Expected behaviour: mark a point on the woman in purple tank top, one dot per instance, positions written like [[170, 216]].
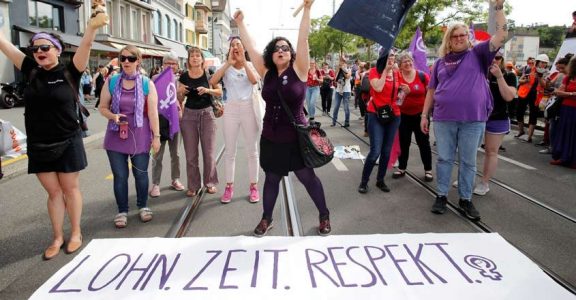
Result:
[[284, 74]]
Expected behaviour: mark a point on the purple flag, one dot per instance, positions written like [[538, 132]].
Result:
[[167, 106], [378, 20], [418, 50]]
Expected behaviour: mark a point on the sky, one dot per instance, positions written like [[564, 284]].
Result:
[[269, 18]]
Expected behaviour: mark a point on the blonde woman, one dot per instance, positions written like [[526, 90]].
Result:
[[198, 125]]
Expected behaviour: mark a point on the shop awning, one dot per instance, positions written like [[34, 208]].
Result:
[[178, 48], [69, 39]]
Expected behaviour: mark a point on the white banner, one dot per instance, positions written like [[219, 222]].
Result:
[[12, 140], [402, 266]]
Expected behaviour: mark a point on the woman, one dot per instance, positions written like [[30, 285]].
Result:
[[98, 81], [198, 125], [503, 90], [564, 141], [343, 91], [130, 103], [410, 110], [326, 88], [285, 76], [462, 103], [384, 89], [312, 89], [239, 77], [86, 81], [50, 117], [532, 83]]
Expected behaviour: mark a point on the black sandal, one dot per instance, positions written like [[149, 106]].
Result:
[[428, 177], [398, 174]]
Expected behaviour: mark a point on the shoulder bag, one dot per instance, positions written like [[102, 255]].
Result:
[[315, 147], [385, 114]]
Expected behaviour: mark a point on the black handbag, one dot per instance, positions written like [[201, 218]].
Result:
[[385, 114], [552, 110], [315, 147], [48, 152]]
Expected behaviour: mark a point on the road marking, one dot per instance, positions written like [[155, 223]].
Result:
[[13, 160], [514, 162], [339, 165]]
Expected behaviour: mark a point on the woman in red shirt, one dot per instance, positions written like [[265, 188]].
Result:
[[312, 89], [384, 89], [411, 109], [564, 142]]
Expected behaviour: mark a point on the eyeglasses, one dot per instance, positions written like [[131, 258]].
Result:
[[459, 36], [43, 48], [131, 59], [284, 48]]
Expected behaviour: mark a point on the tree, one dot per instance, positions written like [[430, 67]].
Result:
[[324, 39]]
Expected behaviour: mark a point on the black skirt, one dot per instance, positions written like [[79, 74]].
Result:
[[280, 158], [73, 160]]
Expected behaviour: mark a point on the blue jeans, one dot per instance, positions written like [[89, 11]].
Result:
[[312, 93], [119, 166], [466, 137], [381, 140], [337, 100]]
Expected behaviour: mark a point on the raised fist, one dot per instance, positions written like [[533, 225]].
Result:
[[99, 18]]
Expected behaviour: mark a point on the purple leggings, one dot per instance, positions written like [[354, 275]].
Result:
[[310, 181]]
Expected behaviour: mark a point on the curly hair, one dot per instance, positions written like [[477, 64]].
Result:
[[269, 50]]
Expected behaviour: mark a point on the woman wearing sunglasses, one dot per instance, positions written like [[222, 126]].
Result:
[[51, 120], [285, 76], [240, 77], [129, 101], [462, 103], [198, 125]]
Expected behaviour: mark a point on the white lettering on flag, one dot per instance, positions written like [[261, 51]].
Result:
[[170, 96], [400, 266]]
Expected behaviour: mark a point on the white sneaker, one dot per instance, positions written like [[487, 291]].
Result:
[[455, 184], [481, 189]]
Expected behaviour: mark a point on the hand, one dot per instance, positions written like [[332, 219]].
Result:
[[238, 16], [183, 89], [202, 90], [117, 118], [99, 18], [308, 3], [495, 70], [231, 59], [155, 145], [424, 125], [218, 109], [497, 2], [405, 88], [240, 58]]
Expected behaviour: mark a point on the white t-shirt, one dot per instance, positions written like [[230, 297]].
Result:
[[344, 85], [238, 87]]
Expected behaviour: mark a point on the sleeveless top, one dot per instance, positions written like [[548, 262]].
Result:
[[277, 127]]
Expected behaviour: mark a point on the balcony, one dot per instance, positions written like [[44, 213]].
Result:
[[201, 26], [202, 6], [75, 2]]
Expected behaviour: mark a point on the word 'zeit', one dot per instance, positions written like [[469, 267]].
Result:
[[326, 267]]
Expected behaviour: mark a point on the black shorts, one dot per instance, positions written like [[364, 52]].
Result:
[[87, 89], [73, 160], [280, 158]]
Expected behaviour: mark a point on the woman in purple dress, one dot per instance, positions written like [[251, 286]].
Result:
[[129, 101], [284, 74]]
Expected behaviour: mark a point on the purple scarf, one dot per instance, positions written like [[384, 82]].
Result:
[[139, 99]]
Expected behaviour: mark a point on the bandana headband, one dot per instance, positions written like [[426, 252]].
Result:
[[46, 36]]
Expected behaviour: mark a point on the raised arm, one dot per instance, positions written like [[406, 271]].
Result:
[[14, 54], [302, 62], [82, 55], [499, 37], [255, 55]]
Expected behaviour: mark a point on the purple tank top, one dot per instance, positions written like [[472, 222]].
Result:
[[139, 138], [277, 127]]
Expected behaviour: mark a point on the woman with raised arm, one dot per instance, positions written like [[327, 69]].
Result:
[[462, 102], [51, 119], [285, 75]]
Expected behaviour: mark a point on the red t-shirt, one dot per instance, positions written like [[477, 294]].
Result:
[[414, 101], [388, 94], [570, 88], [311, 82]]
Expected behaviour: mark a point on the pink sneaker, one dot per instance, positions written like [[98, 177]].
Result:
[[177, 185], [155, 191], [254, 196], [228, 192]]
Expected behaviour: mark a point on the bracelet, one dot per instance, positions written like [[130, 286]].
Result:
[[424, 116], [157, 135]]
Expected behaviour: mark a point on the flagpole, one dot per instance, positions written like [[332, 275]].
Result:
[[491, 18]]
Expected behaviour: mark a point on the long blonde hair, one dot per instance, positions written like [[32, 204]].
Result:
[[445, 47]]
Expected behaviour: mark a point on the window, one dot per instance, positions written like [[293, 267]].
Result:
[[145, 28], [134, 33], [166, 26], [157, 24], [45, 15], [124, 21], [180, 32], [174, 29]]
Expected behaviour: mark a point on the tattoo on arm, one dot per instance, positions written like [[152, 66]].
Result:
[[501, 27], [493, 47], [498, 7]]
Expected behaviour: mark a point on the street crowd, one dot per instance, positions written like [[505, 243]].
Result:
[[470, 96]]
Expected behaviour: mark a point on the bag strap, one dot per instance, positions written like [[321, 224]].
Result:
[[422, 77], [286, 108], [76, 91], [393, 90]]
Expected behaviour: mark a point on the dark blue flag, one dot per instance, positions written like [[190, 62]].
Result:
[[377, 20]]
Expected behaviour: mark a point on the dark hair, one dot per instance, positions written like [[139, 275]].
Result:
[[572, 69], [565, 60], [231, 39], [574, 13], [54, 35], [269, 50]]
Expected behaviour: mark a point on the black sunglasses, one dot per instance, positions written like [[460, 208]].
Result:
[[131, 59], [284, 48], [43, 48]]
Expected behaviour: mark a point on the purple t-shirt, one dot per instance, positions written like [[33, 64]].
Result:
[[461, 88], [277, 127], [139, 138]]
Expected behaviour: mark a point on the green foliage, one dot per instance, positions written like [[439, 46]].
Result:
[[551, 37], [324, 39]]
